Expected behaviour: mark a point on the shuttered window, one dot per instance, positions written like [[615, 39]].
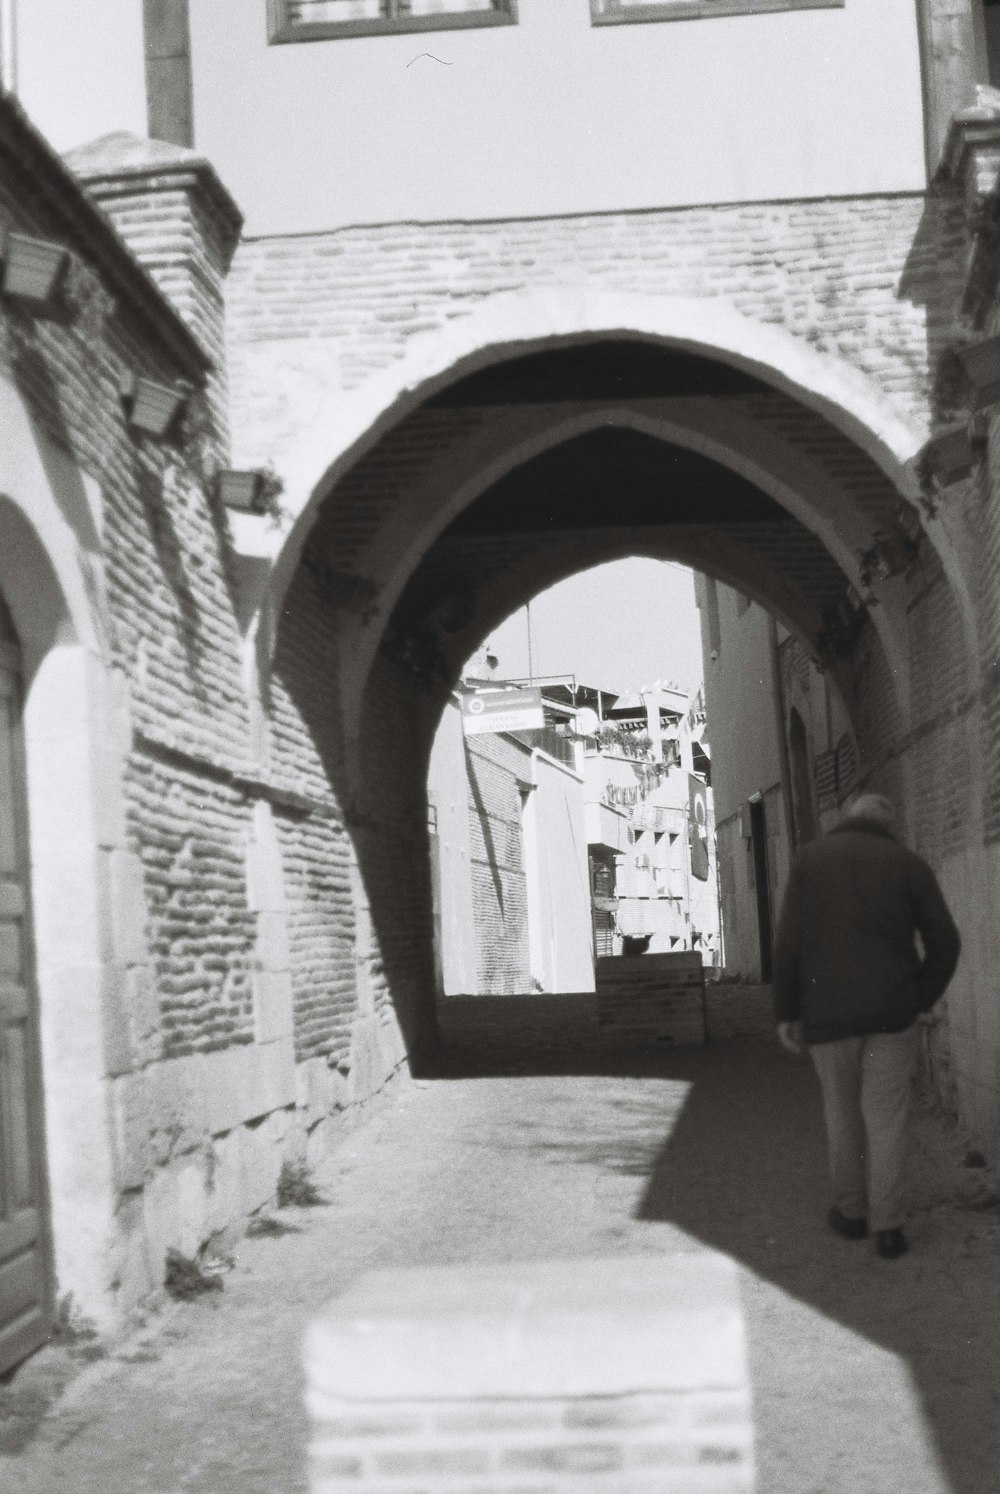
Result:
[[318, 20], [611, 12]]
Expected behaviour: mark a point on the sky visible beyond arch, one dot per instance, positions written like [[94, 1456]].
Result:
[[620, 626]]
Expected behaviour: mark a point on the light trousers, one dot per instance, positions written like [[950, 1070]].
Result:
[[867, 1084]]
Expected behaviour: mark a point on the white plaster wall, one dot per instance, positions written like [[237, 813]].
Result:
[[448, 788], [553, 115], [745, 749], [563, 877]]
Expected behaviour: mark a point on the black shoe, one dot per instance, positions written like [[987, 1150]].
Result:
[[890, 1243], [851, 1229]]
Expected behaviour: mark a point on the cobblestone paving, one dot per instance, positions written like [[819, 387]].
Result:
[[868, 1377]]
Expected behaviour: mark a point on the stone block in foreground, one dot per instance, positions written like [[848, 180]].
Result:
[[607, 1376]]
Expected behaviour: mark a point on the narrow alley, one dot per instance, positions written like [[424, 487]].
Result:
[[866, 1375]]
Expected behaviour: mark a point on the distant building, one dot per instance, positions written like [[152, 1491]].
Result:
[[650, 826], [592, 834], [509, 861], [784, 760]]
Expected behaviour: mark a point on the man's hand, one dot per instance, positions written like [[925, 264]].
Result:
[[790, 1036]]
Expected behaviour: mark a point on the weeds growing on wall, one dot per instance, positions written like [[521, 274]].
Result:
[[268, 1225], [296, 1188], [186, 1279], [73, 1330]]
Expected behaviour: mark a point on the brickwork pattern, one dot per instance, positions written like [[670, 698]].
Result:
[[305, 741], [181, 225], [305, 746], [180, 243], [393, 846], [940, 744], [160, 573], [348, 523], [177, 640], [865, 280], [682, 1443], [657, 996], [320, 919], [984, 524], [381, 820], [190, 835]]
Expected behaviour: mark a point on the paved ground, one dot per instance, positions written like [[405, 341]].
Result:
[[869, 1377]]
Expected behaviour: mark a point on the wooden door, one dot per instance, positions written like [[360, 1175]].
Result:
[[25, 1297], [762, 887]]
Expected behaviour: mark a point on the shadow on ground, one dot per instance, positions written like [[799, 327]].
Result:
[[743, 1170]]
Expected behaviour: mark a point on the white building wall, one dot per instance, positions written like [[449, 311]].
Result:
[[564, 933], [553, 827], [448, 793], [739, 697], [553, 115], [742, 713], [657, 895]]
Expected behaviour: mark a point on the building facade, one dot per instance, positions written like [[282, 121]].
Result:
[[785, 762], [651, 826], [509, 863], [519, 289]]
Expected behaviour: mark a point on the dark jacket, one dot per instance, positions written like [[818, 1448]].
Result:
[[845, 958]]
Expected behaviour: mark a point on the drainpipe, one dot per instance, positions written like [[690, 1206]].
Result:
[[950, 66], [8, 46], [167, 39]]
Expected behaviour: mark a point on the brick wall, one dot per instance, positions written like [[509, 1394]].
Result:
[[865, 280], [163, 731], [163, 595], [190, 835], [306, 746]]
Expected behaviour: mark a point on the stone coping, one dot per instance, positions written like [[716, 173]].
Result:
[[583, 1327]]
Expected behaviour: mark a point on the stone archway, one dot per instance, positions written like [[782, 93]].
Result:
[[396, 539], [343, 425]]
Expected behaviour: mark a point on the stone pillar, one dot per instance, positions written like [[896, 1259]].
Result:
[[181, 224], [572, 1377]]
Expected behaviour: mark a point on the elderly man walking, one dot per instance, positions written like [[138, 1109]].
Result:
[[850, 983]]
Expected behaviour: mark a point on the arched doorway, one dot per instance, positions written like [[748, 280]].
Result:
[[25, 1272]]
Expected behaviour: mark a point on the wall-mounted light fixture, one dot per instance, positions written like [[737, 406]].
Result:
[[152, 407], [33, 270], [981, 366], [949, 456], [241, 490]]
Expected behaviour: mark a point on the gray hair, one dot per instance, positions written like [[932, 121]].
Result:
[[873, 807]]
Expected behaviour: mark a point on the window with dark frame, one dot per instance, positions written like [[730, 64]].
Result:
[[614, 12], [320, 20]]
